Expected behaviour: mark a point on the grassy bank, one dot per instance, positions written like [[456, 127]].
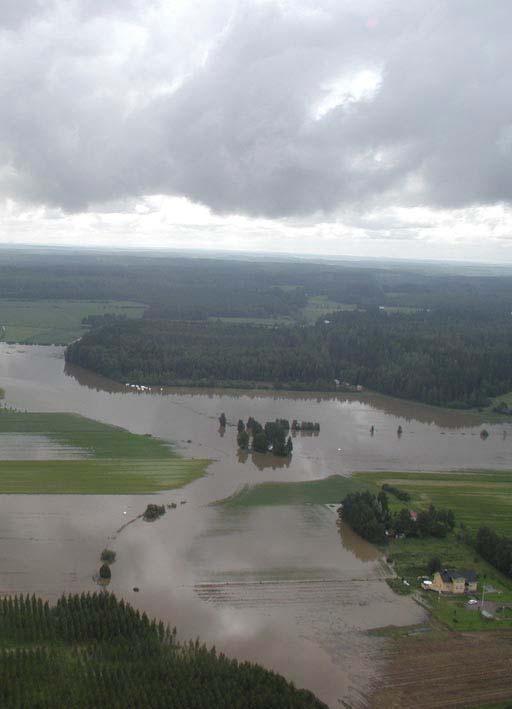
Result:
[[318, 492], [57, 322], [114, 460]]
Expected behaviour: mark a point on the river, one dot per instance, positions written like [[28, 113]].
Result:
[[279, 585]]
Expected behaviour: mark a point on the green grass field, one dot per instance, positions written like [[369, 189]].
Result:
[[477, 498], [115, 460], [57, 322], [316, 492]]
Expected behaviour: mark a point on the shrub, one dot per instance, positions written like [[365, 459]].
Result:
[[105, 572], [108, 556], [153, 512]]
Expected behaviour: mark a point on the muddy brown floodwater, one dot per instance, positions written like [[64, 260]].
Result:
[[276, 585]]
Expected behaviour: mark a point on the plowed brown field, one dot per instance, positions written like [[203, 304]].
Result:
[[453, 670]]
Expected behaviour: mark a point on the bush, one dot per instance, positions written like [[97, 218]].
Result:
[[105, 572], [108, 556], [153, 512]]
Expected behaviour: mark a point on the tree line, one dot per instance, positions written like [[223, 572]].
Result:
[[431, 357], [93, 650]]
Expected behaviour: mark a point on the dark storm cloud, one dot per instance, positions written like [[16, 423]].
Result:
[[220, 103]]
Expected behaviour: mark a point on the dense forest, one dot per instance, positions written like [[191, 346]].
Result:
[[435, 357], [180, 287], [96, 651], [207, 353]]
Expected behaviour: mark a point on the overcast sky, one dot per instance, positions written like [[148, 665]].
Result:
[[353, 127]]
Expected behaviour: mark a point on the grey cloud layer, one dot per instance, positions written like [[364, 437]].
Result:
[[103, 101]]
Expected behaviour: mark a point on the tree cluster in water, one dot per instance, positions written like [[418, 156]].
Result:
[[273, 436], [153, 512], [96, 651], [369, 515]]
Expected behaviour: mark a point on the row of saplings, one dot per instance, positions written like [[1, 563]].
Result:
[[369, 515]]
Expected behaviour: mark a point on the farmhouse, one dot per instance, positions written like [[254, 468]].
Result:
[[454, 581]]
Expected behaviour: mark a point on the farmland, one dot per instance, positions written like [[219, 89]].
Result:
[[476, 497], [318, 492], [58, 322], [442, 669], [106, 459]]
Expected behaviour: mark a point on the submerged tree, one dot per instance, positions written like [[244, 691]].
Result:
[[259, 442], [243, 440], [105, 572]]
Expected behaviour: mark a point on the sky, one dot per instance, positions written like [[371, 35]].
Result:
[[329, 127]]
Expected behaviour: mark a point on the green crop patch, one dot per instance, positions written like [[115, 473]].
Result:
[[320, 492], [114, 460], [477, 498]]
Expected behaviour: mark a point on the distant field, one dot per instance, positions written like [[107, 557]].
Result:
[[55, 322], [268, 322], [319, 306], [399, 309], [117, 462], [319, 492]]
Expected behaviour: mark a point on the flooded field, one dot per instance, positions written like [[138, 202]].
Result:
[[14, 446], [281, 585]]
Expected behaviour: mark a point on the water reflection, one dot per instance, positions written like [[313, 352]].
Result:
[[263, 461], [351, 541]]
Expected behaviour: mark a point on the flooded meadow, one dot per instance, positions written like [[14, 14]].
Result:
[[281, 585]]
